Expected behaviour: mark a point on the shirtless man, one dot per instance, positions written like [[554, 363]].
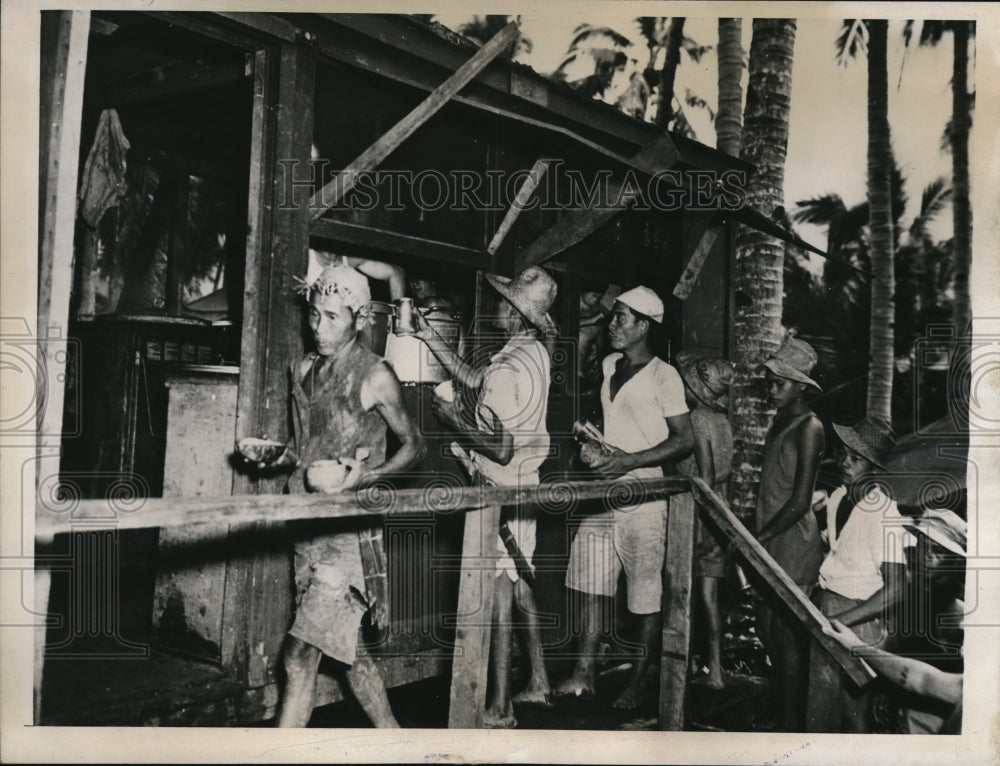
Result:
[[343, 399]]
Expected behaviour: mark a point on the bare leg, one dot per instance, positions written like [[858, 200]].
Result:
[[301, 665], [792, 670], [368, 687], [581, 683], [856, 709], [635, 691], [538, 690], [500, 712], [709, 591]]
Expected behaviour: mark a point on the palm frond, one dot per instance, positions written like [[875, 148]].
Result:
[[819, 210], [852, 39], [695, 50], [694, 100]]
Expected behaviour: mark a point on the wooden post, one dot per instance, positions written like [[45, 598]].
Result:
[[677, 612], [534, 178], [474, 620], [337, 188], [706, 241], [257, 604], [64, 63]]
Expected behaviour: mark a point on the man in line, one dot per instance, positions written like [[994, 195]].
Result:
[[862, 575], [343, 398], [509, 441], [646, 424]]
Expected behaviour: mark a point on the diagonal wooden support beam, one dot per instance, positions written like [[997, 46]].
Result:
[[689, 277], [534, 178], [804, 610], [660, 154], [373, 156]]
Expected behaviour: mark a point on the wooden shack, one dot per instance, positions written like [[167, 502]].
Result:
[[222, 113]]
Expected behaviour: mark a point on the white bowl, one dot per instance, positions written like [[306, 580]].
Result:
[[326, 476]]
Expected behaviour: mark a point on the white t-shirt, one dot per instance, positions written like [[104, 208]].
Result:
[[516, 389], [635, 419], [873, 535]]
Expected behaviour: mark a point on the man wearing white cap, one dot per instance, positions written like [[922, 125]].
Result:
[[646, 424]]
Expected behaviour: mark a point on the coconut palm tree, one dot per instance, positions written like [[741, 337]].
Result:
[[729, 119], [872, 36], [759, 257], [957, 135], [666, 35]]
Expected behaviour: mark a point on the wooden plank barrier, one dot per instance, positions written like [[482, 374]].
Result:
[[762, 562]]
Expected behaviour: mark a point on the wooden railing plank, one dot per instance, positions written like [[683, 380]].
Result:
[[776, 577], [378, 500]]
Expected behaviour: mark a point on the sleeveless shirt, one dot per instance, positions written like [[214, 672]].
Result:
[[799, 549]]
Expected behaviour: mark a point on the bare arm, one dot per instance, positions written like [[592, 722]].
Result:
[[893, 575], [809, 444], [908, 673], [706, 460], [388, 396], [384, 272], [497, 444], [469, 376], [676, 446]]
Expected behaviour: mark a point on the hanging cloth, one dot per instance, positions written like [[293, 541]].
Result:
[[103, 181]]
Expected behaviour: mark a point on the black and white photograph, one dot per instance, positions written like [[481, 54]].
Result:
[[575, 384]]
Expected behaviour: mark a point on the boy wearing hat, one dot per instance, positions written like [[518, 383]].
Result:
[[861, 575], [508, 440], [786, 527], [646, 421], [706, 384]]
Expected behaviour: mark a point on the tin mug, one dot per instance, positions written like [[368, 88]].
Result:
[[405, 324]]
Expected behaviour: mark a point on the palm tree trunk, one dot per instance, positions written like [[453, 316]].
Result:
[[675, 36], [961, 209], [759, 257], [729, 119], [880, 225]]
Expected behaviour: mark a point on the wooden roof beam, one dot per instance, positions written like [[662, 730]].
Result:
[[166, 80]]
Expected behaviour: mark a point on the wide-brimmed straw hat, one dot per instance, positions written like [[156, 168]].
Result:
[[794, 361], [870, 437], [531, 292], [941, 526], [708, 378]]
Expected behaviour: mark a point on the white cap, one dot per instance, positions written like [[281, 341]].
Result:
[[645, 301]]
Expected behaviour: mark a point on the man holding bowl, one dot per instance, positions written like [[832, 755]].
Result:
[[343, 398]]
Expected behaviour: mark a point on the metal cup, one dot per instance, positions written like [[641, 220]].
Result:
[[405, 324]]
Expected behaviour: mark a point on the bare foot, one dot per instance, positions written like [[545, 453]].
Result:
[[575, 687], [493, 719], [540, 696], [709, 681], [630, 699]]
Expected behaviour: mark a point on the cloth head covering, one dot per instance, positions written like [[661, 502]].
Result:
[[531, 292], [708, 378], [645, 301], [346, 281], [794, 360], [870, 437]]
